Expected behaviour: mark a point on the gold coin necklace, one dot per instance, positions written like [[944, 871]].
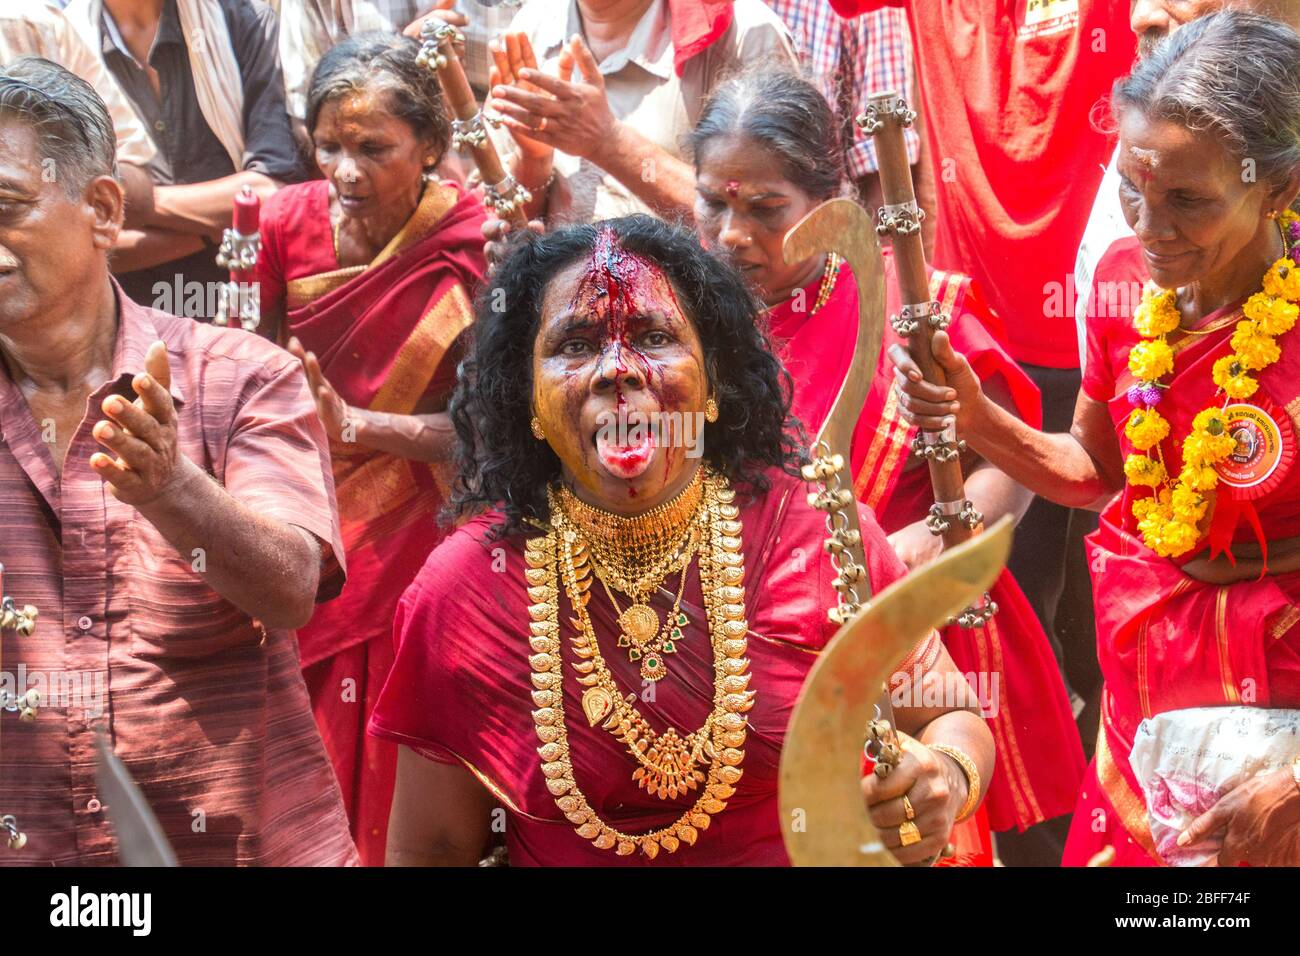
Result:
[[668, 764]]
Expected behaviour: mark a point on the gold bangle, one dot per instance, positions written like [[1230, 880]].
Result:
[[972, 779]]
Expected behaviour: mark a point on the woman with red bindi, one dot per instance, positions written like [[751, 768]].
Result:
[[765, 155]]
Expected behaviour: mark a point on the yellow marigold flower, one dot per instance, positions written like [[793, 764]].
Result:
[[1283, 280], [1146, 428], [1143, 471], [1256, 350], [1142, 507], [1230, 374], [1177, 537], [1151, 360], [1272, 316], [1189, 505], [1209, 441], [1199, 477], [1156, 314]]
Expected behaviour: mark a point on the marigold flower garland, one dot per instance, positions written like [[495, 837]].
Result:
[[1169, 520]]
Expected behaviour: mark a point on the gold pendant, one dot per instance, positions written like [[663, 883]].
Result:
[[596, 705], [639, 622]]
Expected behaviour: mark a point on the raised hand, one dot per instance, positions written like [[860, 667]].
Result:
[[335, 414], [495, 233], [570, 115], [512, 53], [143, 437], [441, 11]]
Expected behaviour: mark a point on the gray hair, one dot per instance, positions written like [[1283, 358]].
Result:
[[1234, 74], [71, 121], [383, 61]]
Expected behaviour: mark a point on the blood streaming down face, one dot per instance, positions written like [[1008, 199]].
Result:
[[614, 352]]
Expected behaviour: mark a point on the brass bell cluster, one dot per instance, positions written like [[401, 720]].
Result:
[[834, 499], [433, 34], [20, 620], [17, 839]]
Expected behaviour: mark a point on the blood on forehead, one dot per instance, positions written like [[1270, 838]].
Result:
[[628, 283]]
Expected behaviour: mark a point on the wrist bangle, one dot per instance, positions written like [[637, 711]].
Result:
[[972, 779], [544, 187]]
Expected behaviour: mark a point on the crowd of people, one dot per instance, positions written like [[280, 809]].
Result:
[[415, 573]]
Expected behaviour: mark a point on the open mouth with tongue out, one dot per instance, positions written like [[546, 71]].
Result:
[[625, 445]]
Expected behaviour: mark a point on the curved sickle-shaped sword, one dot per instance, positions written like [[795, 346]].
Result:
[[824, 818], [140, 838], [843, 227]]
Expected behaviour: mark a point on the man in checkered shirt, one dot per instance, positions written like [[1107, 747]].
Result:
[[849, 60]]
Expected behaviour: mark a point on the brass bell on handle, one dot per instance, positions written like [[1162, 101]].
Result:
[[20, 620], [17, 839]]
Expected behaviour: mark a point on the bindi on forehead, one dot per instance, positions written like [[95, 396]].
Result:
[[732, 188]]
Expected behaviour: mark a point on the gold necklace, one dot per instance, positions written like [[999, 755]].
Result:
[[666, 762], [829, 275], [636, 554]]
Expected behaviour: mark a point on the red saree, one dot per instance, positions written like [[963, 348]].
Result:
[[1165, 640], [1040, 760], [460, 689], [386, 336]]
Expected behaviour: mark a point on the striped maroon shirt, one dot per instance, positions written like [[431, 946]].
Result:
[[212, 721]]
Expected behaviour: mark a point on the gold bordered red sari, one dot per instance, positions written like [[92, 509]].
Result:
[[386, 335], [1040, 760], [1165, 640]]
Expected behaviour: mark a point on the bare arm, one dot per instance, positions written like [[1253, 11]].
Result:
[[139, 193], [428, 437], [441, 815], [993, 492], [266, 568], [1081, 468], [151, 246], [205, 208]]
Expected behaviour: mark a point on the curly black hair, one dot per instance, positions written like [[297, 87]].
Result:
[[500, 463]]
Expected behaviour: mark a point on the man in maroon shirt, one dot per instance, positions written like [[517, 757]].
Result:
[[166, 504]]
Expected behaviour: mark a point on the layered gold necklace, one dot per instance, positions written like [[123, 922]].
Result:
[[668, 764], [634, 556]]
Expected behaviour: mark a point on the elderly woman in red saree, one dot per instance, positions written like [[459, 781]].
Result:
[[367, 274], [613, 652], [765, 156], [1188, 412]]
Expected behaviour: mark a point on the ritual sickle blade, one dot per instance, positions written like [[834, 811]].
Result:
[[140, 839], [823, 815]]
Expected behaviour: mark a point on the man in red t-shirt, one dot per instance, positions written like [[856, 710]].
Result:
[[1008, 91]]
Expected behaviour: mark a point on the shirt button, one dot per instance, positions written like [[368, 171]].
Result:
[[84, 623], [93, 805], [160, 126]]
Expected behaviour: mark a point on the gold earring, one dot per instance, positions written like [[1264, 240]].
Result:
[[710, 411], [1271, 214], [538, 432]]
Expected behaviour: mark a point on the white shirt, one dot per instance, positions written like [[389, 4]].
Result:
[[1106, 226], [644, 90], [32, 28]]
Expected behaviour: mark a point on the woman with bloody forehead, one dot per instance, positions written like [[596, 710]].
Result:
[[614, 651], [765, 156]]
